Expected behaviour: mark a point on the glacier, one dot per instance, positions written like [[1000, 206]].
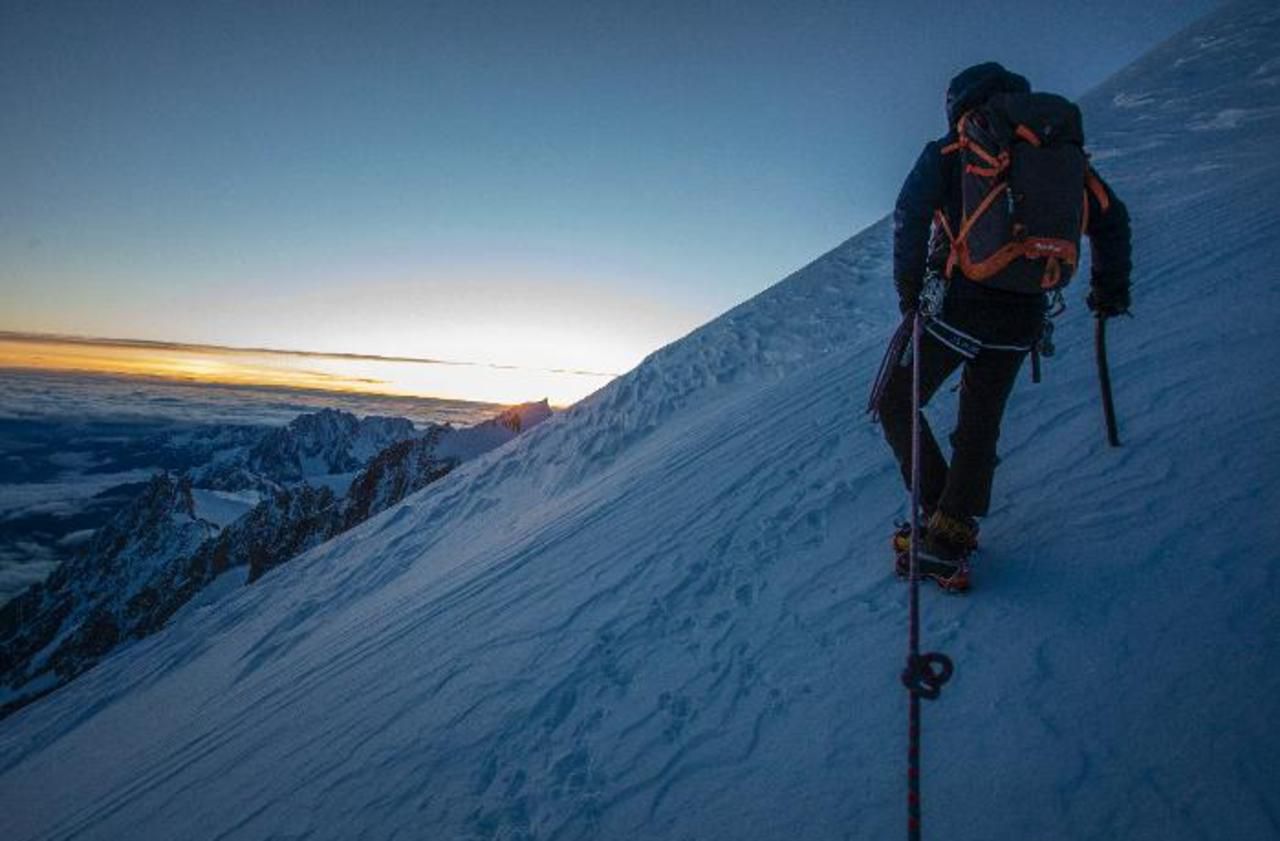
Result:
[[669, 611]]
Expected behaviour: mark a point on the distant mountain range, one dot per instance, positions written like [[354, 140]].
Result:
[[252, 499], [321, 444]]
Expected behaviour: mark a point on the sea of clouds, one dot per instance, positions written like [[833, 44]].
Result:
[[69, 447]]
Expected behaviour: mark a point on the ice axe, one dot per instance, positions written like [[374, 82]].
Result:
[[1104, 378]]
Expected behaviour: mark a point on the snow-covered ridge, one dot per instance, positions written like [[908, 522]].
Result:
[[667, 613], [162, 548]]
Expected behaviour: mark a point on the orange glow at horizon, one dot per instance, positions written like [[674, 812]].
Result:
[[282, 369]]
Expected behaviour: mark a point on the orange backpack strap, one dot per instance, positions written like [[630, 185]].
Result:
[[996, 163], [953, 255], [995, 193], [941, 219], [1027, 135], [1099, 191], [962, 136]]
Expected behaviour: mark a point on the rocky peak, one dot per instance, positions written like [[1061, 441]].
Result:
[[163, 509], [63, 626], [399, 470], [325, 442], [471, 441], [521, 417]]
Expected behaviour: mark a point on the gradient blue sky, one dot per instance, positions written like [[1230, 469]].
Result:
[[542, 183]]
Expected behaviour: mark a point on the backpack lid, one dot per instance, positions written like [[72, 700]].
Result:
[[1053, 119]]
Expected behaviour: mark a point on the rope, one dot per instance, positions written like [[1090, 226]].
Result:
[[891, 356], [924, 674]]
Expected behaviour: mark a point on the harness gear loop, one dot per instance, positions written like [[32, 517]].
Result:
[[932, 294], [1057, 305], [1043, 345]]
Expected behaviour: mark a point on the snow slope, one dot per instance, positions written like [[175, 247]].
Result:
[[668, 612]]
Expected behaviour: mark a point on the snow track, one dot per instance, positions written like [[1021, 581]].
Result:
[[669, 612]]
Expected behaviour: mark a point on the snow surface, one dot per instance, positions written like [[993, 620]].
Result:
[[222, 508], [339, 483], [669, 613]]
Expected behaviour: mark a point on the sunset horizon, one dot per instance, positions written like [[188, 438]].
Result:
[[480, 382]]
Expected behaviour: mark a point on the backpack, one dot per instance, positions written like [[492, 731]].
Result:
[[1023, 181]]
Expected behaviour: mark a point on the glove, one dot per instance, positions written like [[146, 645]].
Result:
[[1108, 301]]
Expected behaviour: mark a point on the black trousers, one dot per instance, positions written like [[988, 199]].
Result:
[[964, 487]]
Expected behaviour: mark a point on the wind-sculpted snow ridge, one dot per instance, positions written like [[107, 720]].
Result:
[[834, 303], [668, 612]]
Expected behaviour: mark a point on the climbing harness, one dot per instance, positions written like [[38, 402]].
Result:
[[924, 674], [1043, 347]]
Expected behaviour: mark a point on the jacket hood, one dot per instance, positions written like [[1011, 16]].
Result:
[[975, 85]]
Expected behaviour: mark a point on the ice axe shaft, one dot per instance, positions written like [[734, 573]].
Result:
[[1104, 379]]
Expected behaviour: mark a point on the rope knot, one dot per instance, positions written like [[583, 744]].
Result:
[[925, 674]]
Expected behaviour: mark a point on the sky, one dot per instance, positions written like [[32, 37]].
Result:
[[552, 185]]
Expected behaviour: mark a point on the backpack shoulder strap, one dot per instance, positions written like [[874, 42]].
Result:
[[1099, 190], [961, 132]]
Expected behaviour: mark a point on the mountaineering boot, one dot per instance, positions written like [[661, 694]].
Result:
[[952, 577], [949, 539], [902, 537], [902, 534]]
